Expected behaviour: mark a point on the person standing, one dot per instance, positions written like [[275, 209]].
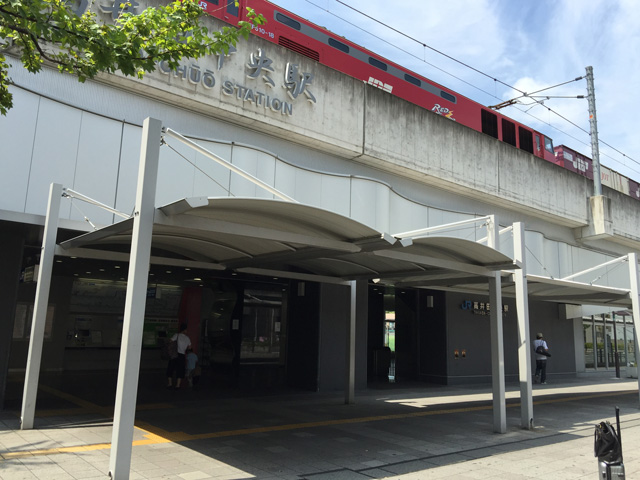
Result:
[[192, 360], [542, 352], [176, 365]]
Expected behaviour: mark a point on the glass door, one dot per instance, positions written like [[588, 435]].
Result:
[[601, 360], [589, 351]]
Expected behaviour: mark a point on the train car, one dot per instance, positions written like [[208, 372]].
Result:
[[297, 34], [574, 161], [578, 163]]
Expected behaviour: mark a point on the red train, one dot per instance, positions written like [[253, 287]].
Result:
[[297, 34], [578, 163]]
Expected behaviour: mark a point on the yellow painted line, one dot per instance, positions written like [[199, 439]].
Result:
[[154, 435]]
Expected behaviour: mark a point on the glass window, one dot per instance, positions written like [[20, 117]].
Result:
[[588, 346], [339, 45], [447, 96], [600, 348], [232, 8], [548, 144], [262, 332], [378, 64], [289, 22], [413, 80]]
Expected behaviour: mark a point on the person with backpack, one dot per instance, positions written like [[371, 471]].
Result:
[[542, 352]]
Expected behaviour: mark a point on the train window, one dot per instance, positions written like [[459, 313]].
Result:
[[447, 96], [548, 144], [232, 8], [508, 132], [289, 22], [413, 80], [339, 45], [377, 63], [526, 139], [538, 146], [489, 123]]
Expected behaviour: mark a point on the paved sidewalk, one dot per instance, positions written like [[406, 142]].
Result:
[[420, 432]]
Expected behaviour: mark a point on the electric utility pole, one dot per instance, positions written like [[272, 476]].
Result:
[[593, 124]]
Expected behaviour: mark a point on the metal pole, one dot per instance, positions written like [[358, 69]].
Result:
[[497, 355], [635, 299], [616, 357], [593, 125], [40, 308], [130, 350], [351, 347]]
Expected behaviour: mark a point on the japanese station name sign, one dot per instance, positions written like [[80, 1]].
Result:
[[480, 308], [266, 85]]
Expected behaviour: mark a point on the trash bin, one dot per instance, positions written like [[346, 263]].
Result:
[[607, 446]]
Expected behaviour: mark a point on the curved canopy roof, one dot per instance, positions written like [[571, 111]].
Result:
[[273, 237], [254, 235]]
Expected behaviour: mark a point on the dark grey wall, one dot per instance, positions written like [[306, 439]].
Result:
[[11, 239], [334, 320], [53, 348], [470, 332]]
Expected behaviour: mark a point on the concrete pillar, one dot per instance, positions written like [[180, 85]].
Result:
[[135, 303], [524, 342], [40, 306], [635, 300], [497, 355]]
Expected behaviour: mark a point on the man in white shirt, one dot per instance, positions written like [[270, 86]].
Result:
[[177, 365]]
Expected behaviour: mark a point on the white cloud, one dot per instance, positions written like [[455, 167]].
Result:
[[530, 45]]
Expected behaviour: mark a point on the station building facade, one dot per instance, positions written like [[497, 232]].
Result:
[[334, 143]]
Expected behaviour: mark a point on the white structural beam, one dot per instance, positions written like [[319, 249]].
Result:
[[351, 348], [230, 166], [635, 300], [524, 342], [130, 350], [497, 338], [40, 308], [497, 355], [425, 231]]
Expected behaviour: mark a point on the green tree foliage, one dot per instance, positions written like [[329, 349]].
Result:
[[50, 31]]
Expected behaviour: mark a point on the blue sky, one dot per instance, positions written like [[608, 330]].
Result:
[[523, 43]]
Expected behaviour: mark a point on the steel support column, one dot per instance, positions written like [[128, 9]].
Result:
[[41, 305], [351, 348], [524, 342], [497, 355], [635, 300], [130, 350]]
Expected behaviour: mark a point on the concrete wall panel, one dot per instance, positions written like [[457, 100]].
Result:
[[17, 149], [55, 150], [97, 167]]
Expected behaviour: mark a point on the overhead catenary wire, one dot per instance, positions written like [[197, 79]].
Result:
[[424, 45]]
